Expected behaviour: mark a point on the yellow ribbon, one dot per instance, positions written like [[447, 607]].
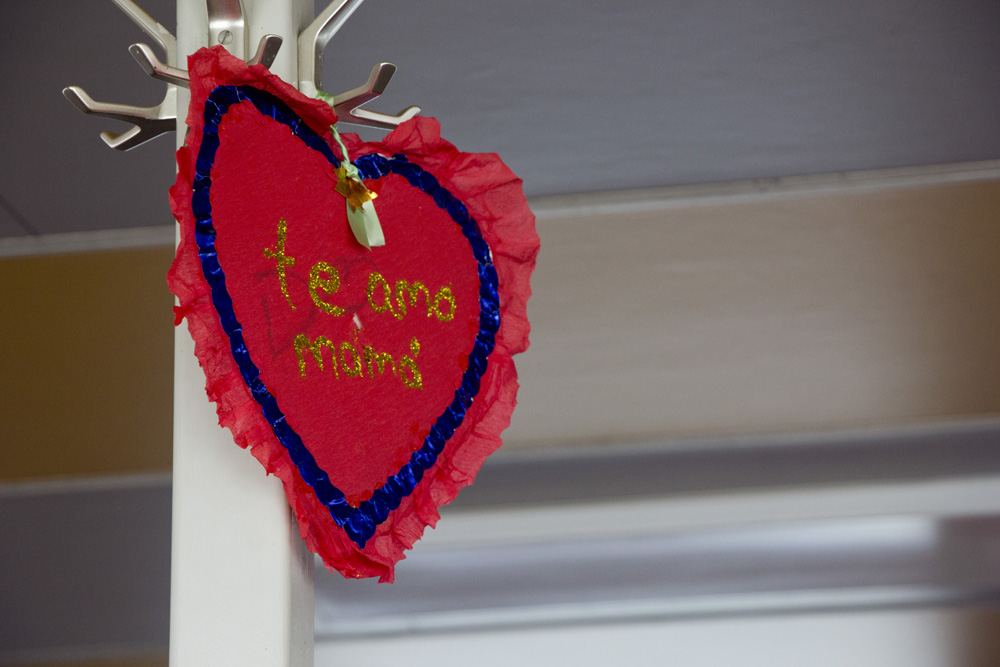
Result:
[[354, 190], [361, 214]]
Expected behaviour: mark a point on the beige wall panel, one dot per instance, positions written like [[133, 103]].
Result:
[[803, 313], [796, 314], [86, 364]]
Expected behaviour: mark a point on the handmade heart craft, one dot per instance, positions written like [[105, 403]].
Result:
[[373, 381]]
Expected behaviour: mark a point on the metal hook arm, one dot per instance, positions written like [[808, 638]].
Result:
[[314, 39], [347, 105], [379, 78], [149, 122], [163, 37], [267, 51], [383, 121], [152, 66]]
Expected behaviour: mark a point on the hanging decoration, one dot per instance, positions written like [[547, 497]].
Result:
[[354, 305]]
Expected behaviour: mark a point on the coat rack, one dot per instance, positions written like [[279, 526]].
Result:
[[254, 610]]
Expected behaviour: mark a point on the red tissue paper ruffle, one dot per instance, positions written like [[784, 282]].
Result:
[[494, 198]]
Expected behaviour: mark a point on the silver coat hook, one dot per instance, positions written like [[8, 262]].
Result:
[[313, 40], [163, 37], [152, 66], [267, 51], [149, 122], [347, 105]]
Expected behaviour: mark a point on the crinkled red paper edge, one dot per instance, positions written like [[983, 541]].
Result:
[[494, 197]]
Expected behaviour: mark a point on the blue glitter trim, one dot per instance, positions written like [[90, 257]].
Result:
[[358, 522]]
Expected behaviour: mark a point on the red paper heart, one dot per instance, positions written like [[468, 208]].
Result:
[[374, 383]]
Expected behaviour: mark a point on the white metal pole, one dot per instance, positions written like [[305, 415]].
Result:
[[241, 587]]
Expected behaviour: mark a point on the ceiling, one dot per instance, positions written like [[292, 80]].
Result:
[[576, 96]]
